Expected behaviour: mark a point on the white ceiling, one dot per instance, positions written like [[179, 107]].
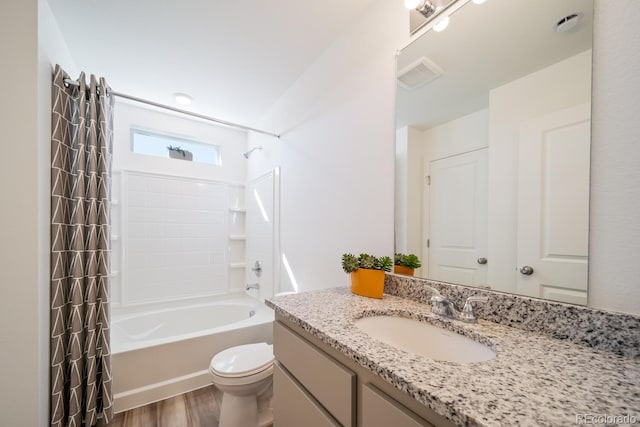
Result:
[[234, 58], [486, 46]]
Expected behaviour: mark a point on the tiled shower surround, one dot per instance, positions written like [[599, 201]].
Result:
[[174, 237], [615, 332]]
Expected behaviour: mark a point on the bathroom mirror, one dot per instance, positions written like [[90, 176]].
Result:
[[492, 148]]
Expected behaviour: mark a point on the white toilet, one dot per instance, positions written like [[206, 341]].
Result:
[[245, 375]]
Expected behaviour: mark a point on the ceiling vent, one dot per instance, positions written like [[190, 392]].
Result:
[[568, 22], [418, 73]]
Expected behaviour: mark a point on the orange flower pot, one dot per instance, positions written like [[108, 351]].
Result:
[[400, 269], [367, 283]]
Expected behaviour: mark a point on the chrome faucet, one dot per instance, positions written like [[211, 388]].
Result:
[[441, 306], [433, 290], [252, 286]]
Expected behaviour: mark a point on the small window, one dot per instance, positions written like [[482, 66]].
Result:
[[153, 144]]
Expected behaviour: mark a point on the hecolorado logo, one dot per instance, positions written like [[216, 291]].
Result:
[[605, 419]]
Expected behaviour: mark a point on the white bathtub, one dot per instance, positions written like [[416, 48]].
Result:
[[162, 351]]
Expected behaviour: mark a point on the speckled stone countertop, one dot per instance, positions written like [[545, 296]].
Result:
[[534, 380]]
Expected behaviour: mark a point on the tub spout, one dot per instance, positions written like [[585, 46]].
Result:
[[252, 286]]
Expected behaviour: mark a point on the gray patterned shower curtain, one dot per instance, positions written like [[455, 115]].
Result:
[[81, 150]]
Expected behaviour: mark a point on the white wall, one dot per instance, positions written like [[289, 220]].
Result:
[[461, 135], [559, 86], [401, 225], [614, 247], [409, 178], [414, 197], [30, 44], [337, 150], [21, 290]]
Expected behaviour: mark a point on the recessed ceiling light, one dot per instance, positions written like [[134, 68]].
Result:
[[183, 98], [479, 1]]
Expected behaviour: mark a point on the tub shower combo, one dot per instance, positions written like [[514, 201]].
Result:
[[185, 285]]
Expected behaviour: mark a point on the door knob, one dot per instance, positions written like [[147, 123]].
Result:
[[482, 261], [526, 270]]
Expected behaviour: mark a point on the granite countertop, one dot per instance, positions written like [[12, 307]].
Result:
[[534, 380]]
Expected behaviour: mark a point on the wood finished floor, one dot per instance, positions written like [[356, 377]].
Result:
[[198, 408]]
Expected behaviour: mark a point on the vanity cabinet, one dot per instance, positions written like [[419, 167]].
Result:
[[295, 405], [316, 385], [379, 410], [324, 380]]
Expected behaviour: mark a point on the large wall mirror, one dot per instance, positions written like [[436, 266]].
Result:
[[492, 148]]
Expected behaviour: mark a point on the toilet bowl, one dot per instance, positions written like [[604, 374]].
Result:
[[244, 375]]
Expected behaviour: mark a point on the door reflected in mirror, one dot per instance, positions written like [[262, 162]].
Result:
[[492, 148]]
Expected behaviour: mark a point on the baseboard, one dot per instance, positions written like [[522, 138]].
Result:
[[159, 391]]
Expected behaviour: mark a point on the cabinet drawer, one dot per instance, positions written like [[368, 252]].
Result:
[[293, 406], [379, 410], [332, 385]]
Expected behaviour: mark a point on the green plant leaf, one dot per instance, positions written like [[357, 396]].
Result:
[[349, 263], [410, 261]]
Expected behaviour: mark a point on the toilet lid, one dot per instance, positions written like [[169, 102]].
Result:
[[243, 360]]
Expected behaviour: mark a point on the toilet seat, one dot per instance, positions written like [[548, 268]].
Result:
[[245, 375], [243, 361]]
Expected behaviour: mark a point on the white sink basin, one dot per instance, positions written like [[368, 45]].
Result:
[[424, 339]]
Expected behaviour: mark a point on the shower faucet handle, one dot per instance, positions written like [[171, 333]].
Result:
[[257, 269]]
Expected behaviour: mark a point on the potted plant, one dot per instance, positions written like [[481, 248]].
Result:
[[367, 273], [405, 264], [179, 153]]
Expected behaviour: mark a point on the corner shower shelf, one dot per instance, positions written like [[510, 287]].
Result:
[[239, 237], [237, 265], [239, 210]]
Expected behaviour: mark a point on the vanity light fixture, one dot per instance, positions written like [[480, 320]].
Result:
[[442, 24], [412, 4], [182, 98], [425, 7], [429, 11]]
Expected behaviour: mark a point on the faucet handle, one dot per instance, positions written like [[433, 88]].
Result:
[[442, 306], [437, 298], [437, 304], [467, 314]]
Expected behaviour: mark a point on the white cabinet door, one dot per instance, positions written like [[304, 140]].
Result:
[[553, 205], [380, 410], [458, 218], [294, 406]]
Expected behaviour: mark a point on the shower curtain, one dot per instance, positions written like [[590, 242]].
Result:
[[81, 150]]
